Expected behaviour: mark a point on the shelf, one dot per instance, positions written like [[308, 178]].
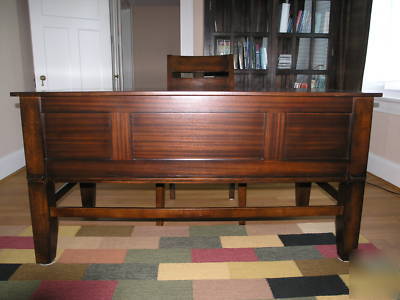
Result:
[[239, 34], [249, 71], [303, 35], [305, 72]]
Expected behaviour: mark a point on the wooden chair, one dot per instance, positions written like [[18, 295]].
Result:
[[202, 73]]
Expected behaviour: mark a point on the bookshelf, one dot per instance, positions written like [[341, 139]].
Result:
[[289, 44]]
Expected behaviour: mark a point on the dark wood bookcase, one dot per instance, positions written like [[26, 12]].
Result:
[[326, 42]]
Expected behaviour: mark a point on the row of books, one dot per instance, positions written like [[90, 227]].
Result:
[[247, 53], [317, 82], [301, 22]]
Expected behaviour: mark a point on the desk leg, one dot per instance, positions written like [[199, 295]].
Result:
[[348, 225], [44, 227], [231, 191], [160, 200], [242, 197], [172, 189], [303, 190], [88, 194]]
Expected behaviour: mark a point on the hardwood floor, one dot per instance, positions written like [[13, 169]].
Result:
[[380, 222]]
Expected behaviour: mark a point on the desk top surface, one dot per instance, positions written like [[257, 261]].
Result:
[[272, 93]]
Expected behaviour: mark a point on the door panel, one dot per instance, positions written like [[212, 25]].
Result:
[[71, 44]]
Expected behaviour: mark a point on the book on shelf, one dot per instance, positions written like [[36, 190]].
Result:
[[285, 61], [264, 55], [303, 21], [301, 82], [322, 15], [223, 46], [258, 55], [318, 82], [235, 55], [298, 19], [246, 52], [240, 54], [250, 53], [285, 8]]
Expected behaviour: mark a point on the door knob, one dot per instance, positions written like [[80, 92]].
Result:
[[42, 78]]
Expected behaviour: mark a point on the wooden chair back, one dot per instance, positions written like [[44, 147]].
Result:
[[212, 73]]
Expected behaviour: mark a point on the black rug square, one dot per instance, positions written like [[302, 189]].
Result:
[[6, 270], [307, 286], [308, 239]]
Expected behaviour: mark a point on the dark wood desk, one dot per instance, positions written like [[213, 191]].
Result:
[[195, 137]]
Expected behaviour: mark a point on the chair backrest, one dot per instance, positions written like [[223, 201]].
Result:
[[212, 73]]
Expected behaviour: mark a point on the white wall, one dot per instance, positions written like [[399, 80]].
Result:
[[384, 156], [381, 74], [192, 27], [16, 75]]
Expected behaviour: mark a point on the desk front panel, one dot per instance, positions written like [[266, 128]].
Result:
[[178, 137]]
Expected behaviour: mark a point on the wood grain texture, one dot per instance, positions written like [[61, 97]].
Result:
[[78, 135], [196, 213], [351, 196], [360, 134], [303, 190], [198, 102], [44, 226], [198, 136], [88, 194], [313, 136], [160, 199], [191, 169], [121, 136], [274, 136], [32, 131], [219, 71], [242, 198]]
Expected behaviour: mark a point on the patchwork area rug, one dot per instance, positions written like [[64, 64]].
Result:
[[255, 261]]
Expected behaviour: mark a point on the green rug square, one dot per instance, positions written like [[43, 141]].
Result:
[[12, 290], [115, 231], [154, 290], [156, 256], [127, 271], [217, 230]]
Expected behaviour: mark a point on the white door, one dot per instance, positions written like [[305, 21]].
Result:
[[71, 44]]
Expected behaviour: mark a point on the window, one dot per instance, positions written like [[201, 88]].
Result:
[[382, 67]]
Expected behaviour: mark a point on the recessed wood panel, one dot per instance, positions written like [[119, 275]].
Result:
[[316, 136], [198, 135], [78, 136]]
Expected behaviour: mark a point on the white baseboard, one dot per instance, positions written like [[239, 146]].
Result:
[[383, 168], [11, 162]]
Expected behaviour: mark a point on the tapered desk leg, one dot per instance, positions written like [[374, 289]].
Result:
[[351, 196], [172, 189], [303, 190], [231, 191], [88, 194], [44, 227], [160, 200], [242, 196]]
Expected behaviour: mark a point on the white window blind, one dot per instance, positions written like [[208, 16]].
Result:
[[382, 67]]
